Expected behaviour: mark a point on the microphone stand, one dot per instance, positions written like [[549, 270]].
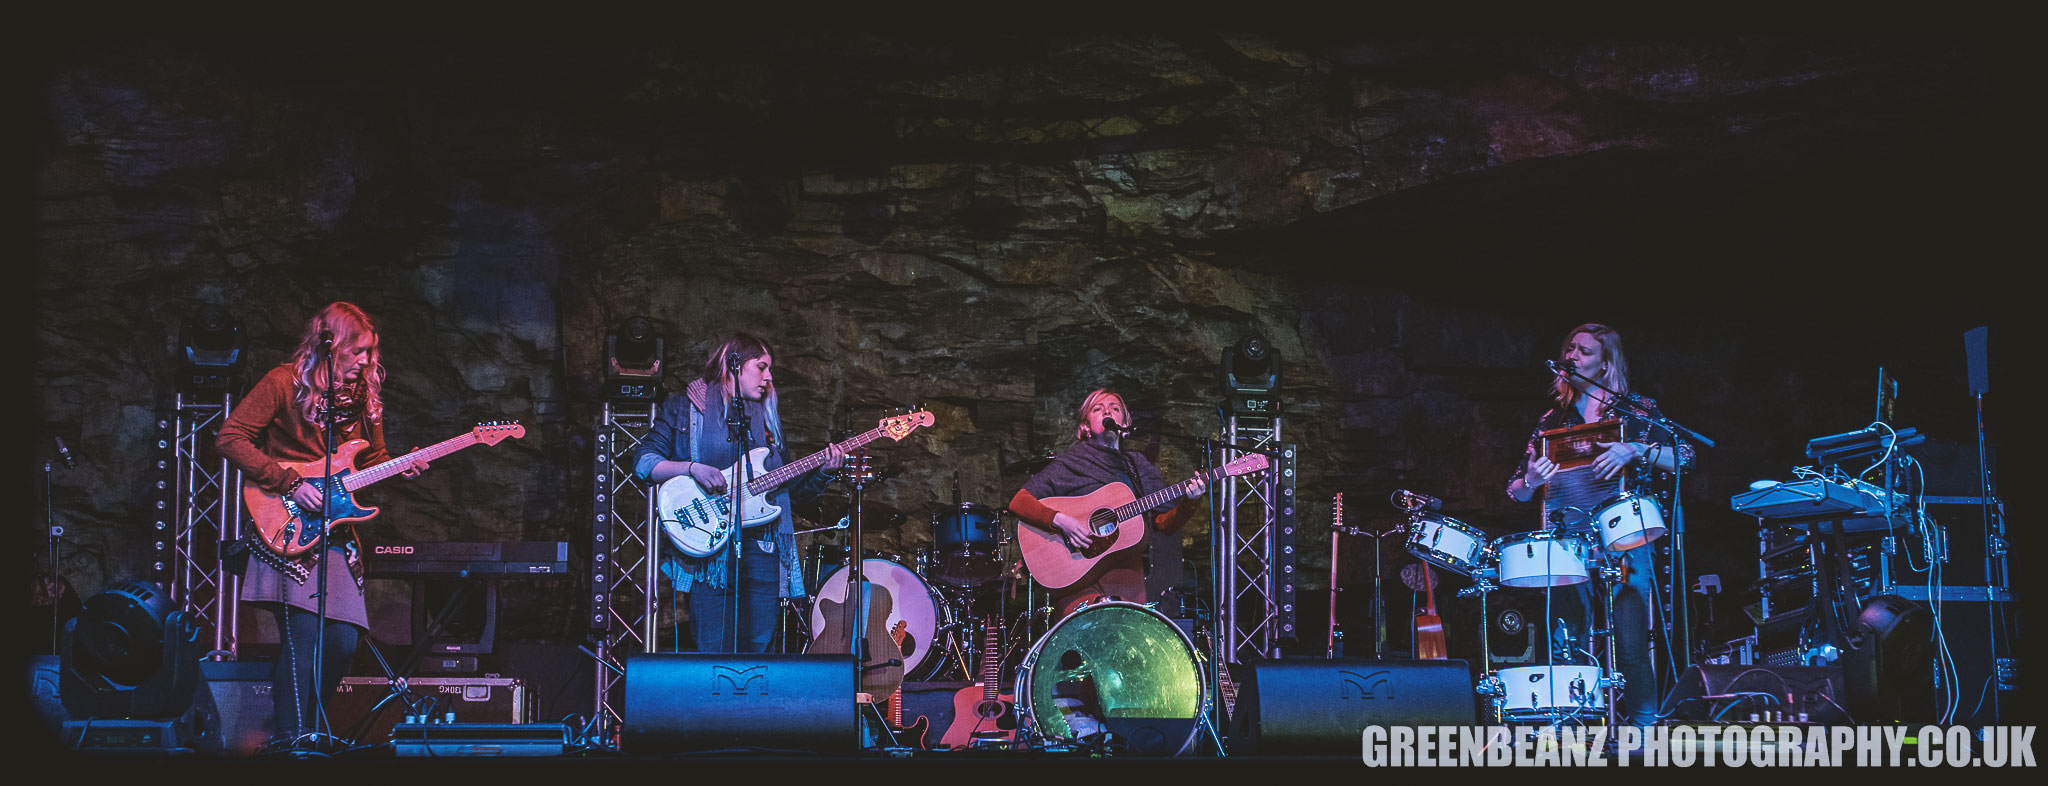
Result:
[[56, 567], [739, 433], [327, 418], [1677, 435]]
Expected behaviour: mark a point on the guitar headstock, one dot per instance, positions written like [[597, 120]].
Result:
[[900, 426], [497, 431], [1246, 464], [1337, 512]]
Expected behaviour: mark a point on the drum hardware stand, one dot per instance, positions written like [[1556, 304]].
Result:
[[1677, 434], [1611, 679], [1489, 685], [1482, 584]]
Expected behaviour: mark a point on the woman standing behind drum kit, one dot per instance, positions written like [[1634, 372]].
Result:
[[1594, 351]]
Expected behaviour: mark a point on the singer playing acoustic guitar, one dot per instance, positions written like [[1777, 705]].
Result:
[[1096, 459]]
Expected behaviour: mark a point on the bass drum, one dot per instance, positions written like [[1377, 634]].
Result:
[[915, 605], [1145, 671]]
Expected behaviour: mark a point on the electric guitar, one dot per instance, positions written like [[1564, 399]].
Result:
[[914, 735], [1117, 520], [288, 531], [700, 523], [982, 711]]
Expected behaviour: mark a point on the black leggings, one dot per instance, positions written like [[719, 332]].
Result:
[[291, 677]]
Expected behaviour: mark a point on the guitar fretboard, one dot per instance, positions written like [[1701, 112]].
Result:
[[385, 470], [991, 667], [786, 472], [1162, 496]]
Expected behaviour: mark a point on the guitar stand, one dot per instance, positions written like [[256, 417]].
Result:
[[1208, 723], [871, 715]]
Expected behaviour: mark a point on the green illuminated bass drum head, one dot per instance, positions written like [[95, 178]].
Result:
[[1146, 674]]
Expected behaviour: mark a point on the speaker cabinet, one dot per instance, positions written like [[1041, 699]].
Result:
[[714, 701], [1317, 705], [241, 698]]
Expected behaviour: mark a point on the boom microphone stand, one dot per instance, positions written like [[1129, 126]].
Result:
[[327, 485], [56, 567]]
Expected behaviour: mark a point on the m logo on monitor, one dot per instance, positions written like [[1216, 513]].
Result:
[[726, 680], [1368, 687]]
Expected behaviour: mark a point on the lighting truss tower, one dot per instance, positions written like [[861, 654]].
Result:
[[624, 566], [195, 512], [1253, 545]]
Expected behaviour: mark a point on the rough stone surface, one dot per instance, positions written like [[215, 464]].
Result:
[[993, 227]]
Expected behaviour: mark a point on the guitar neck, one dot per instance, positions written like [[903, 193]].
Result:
[[386, 470], [991, 670], [787, 472], [1162, 496]]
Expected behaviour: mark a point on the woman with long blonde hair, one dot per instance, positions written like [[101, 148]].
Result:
[[281, 422], [1593, 351]]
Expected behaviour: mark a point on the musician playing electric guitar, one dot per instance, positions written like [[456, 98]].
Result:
[[279, 423], [690, 437], [1096, 459]]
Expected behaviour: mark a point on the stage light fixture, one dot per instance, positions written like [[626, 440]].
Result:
[[128, 655], [1251, 377], [633, 355], [210, 351]]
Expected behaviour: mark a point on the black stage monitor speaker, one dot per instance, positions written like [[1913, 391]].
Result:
[[1732, 692], [241, 697], [715, 701], [1318, 705]]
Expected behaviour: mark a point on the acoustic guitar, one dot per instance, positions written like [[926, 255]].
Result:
[[1118, 520], [982, 711], [1429, 628], [882, 674]]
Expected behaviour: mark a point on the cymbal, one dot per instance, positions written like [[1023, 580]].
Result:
[[1031, 464], [830, 507]]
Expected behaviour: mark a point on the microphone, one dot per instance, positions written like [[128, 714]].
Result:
[[1558, 368], [1110, 424], [732, 363], [1408, 500], [65, 454], [326, 341]]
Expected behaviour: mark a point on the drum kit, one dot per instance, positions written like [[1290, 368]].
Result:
[[1578, 550], [970, 573], [965, 607]]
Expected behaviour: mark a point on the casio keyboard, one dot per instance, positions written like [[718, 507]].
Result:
[[458, 558]]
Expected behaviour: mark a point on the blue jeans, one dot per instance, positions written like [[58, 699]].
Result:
[[292, 690], [1634, 601], [760, 576]]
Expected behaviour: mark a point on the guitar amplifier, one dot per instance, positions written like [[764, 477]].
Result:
[[355, 712], [1575, 491]]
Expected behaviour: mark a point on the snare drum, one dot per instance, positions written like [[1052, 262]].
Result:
[[1541, 559], [1545, 692], [913, 603], [1448, 543], [1146, 672], [1629, 520]]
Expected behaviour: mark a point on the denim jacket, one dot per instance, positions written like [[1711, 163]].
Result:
[[676, 422]]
